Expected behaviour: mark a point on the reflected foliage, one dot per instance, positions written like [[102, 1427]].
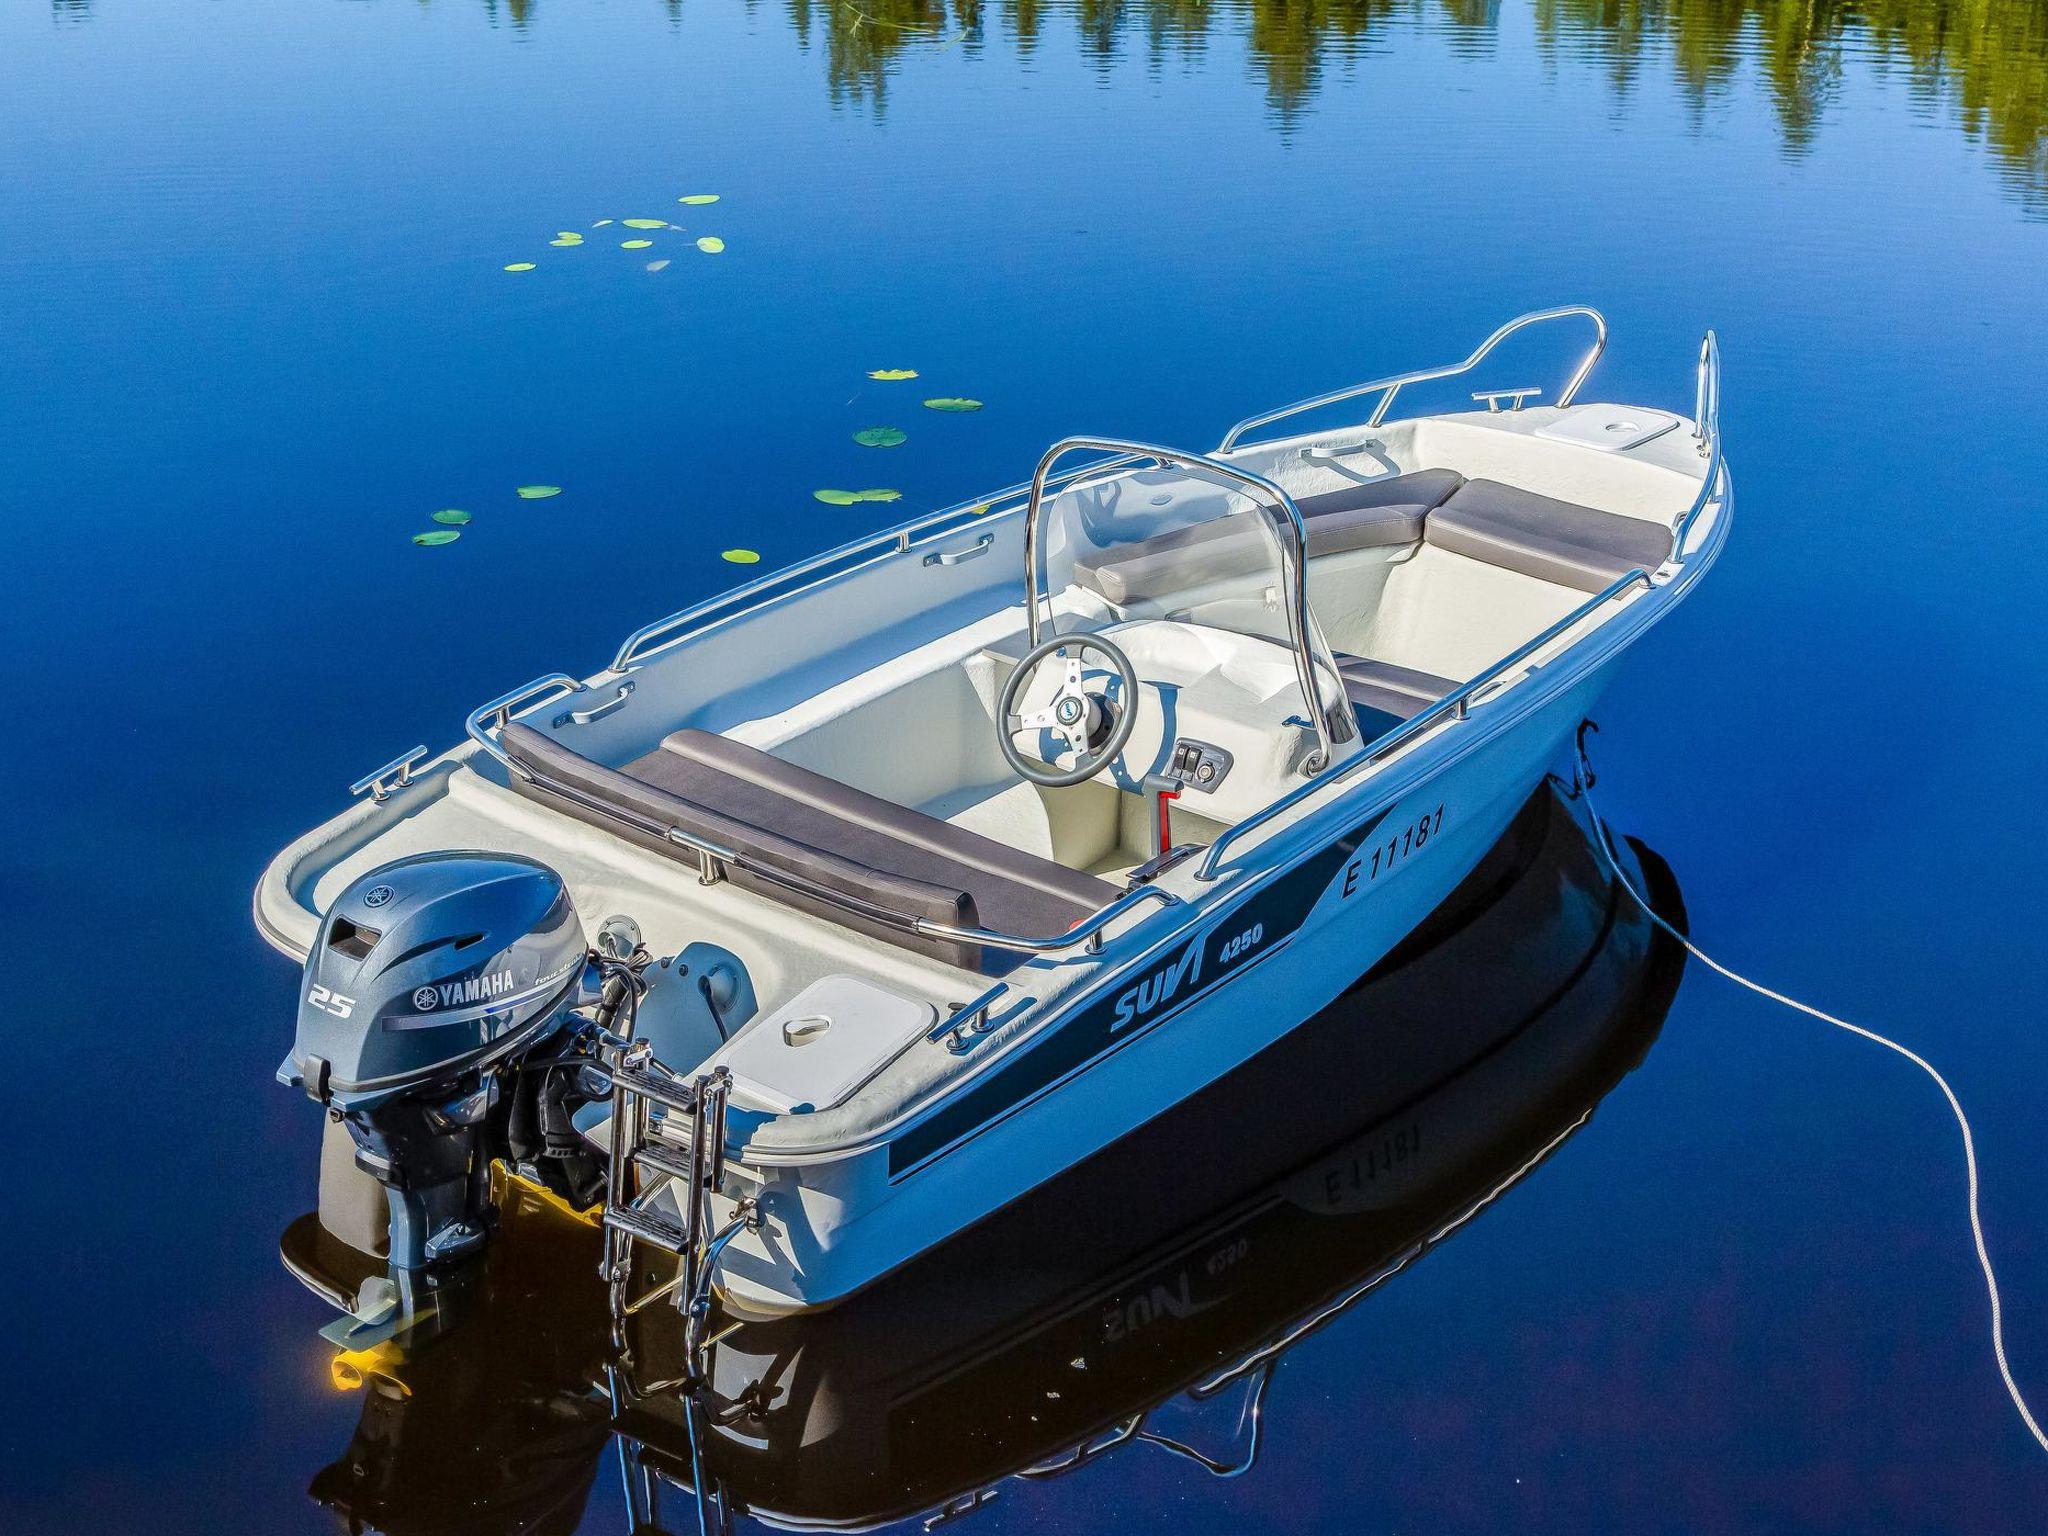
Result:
[[1982, 64]]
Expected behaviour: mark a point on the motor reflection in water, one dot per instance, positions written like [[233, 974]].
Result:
[[1144, 1298]]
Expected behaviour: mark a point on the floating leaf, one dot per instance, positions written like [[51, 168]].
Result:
[[741, 557], [454, 516], [710, 245], [891, 375], [566, 237], [698, 199], [634, 245], [881, 437], [656, 266], [979, 508], [877, 495], [435, 536], [645, 223], [519, 266], [952, 403], [538, 492], [837, 498]]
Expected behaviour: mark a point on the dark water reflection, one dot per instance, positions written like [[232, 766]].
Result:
[[1979, 65], [1146, 1303]]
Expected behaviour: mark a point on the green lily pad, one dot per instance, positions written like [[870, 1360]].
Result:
[[634, 245], [566, 237], [710, 245], [881, 437], [645, 223], [877, 495], [656, 266], [891, 375], [519, 266], [453, 516], [837, 498], [952, 403], [435, 536], [538, 492], [698, 199], [741, 556]]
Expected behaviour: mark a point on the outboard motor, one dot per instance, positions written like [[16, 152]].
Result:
[[435, 1024]]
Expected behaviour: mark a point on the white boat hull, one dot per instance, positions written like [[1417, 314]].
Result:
[[835, 1225]]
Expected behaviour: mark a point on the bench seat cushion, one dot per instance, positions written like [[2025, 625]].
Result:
[[1383, 695], [1540, 536], [818, 833], [1373, 515]]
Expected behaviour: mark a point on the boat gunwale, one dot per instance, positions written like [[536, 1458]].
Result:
[[1432, 754]]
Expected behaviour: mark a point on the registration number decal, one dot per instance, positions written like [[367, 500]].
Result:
[[1383, 857]]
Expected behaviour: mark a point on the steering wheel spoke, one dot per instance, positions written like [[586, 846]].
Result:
[[1073, 714]]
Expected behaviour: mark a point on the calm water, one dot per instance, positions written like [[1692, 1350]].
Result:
[[254, 329]]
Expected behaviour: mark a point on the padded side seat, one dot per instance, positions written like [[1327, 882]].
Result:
[[1372, 515], [1376, 513], [1383, 695], [820, 834], [1540, 536]]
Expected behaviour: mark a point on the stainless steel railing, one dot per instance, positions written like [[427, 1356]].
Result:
[[1453, 706], [661, 634], [506, 707], [1389, 387], [1707, 435]]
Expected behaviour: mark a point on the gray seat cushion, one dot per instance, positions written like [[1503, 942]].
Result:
[[1372, 515], [818, 834], [1539, 536], [1377, 513], [1383, 695]]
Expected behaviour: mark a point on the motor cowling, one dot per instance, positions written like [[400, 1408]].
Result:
[[430, 977]]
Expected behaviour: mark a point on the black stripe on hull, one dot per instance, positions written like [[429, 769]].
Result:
[[1189, 972]]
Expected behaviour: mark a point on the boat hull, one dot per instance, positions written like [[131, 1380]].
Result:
[[1168, 1025]]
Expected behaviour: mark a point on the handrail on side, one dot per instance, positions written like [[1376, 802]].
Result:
[[665, 632], [1452, 705], [1088, 931], [497, 714], [1707, 436], [1293, 549], [1392, 386]]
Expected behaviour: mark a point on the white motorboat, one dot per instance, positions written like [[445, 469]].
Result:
[[931, 866]]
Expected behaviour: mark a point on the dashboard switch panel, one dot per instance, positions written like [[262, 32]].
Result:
[[1198, 765]]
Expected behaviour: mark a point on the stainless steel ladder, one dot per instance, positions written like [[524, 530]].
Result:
[[643, 1164]]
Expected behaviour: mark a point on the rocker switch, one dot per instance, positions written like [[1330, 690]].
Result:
[[1198, 765]]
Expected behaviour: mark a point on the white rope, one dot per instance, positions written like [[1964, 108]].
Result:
[[1584, 787]]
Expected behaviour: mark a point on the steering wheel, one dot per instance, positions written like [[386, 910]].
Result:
[[1076, 716]]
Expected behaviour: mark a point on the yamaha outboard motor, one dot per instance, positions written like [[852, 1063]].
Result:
[[435, 1025]]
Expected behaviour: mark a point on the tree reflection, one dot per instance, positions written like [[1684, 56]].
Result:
[[1981, 63]]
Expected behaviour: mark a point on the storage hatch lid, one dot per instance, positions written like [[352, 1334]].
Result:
[[1610, 428], [818, 1049]]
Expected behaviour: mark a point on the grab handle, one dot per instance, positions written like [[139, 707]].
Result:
[[596, 711], [974, 551]]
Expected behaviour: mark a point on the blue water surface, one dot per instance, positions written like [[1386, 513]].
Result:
[[254, 329]]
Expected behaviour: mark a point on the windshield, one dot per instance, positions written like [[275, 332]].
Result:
[[1178, 545]]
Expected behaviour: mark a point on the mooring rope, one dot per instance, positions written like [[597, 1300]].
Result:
[[1604, 840]]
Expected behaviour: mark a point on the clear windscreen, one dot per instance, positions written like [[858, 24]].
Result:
[[1160, 544]]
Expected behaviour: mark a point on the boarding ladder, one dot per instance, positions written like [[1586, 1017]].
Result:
[[684, 1157]]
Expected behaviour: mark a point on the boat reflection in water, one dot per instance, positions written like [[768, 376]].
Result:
[[1144, 1297]]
